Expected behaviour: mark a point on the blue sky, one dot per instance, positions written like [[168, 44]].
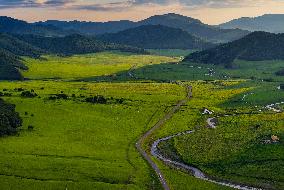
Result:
[[209, 11]]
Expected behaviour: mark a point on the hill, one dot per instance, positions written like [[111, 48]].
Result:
[[74, 44], [269, 22], [156, 37], [195, 27], [191, 25], [10, 50], [257, 46], [14, 26]]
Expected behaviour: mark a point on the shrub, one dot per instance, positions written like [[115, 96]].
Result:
[[30, 128], [28, 94], [97, 100], [9, 119], [58, 96]]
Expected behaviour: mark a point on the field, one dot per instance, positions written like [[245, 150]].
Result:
[[236, 149], [84, 66], [68, 142], [78, 144]]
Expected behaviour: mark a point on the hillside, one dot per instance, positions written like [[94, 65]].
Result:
[[10, 50], [268, 22], [195, 27], [74, 44], [256, 46], [191, 25], [156, 37], [8, 66]]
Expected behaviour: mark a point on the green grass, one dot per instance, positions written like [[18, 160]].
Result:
[[81, 145], [83, 66], [235, 150]]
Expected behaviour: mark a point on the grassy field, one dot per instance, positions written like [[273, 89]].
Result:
[[235, 150], [258, 71], [83, 66], [70, 143], [81, 145]]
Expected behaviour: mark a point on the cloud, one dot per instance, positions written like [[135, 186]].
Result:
[[121, 5], [4, 4], [186, 4]]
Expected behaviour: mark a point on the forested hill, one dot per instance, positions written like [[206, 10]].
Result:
[[257, 46], [11, 49], [74, 44], [156, 37]]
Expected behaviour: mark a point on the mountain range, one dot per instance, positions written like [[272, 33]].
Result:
[[269, 23], [192, 26]]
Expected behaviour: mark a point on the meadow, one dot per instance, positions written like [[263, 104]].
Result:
[[90, 65], [236, 149], [75, 144], [69, 143]]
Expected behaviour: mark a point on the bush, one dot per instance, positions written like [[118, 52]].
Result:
[[28, 94], [9, 119], [30, 128], [97, 100], [58, 96]]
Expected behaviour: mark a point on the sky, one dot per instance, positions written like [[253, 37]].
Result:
[[208, 11]]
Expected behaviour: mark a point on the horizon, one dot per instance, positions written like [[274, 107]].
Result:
[[210, 12], [130, 19]]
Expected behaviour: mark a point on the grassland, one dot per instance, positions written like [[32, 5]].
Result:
[[83, 66], [234, 151], [78, 145]]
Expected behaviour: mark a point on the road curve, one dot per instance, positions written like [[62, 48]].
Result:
[[160, 123], [195, 171]]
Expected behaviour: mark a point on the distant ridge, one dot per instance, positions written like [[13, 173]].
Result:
[[269, 23], [192, 26], [156, 37]]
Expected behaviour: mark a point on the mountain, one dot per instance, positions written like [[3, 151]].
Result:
[[13, 26], [196, 27], [192, 26], [74, 44], [257, 46], [269, 22], [156, 37]]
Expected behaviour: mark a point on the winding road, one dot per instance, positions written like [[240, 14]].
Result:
[[160, 123], [155, 152]]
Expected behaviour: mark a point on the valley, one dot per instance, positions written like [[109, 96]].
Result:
[[167, 102]]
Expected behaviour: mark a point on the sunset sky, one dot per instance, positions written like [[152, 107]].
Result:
[[209, 11]]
